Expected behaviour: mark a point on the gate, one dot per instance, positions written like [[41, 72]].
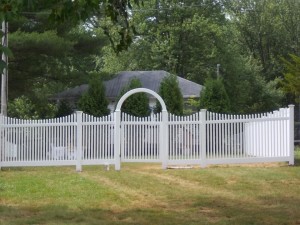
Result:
[[141, 139]]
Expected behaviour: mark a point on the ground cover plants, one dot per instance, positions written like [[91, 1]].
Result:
[[146, 194]]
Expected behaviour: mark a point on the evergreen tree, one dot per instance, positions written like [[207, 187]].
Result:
[[214, 97], [291, 82], [137, 104], [170, 92], [94, 101], [64, 109]]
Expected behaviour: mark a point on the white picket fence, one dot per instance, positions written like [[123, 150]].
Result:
[[78, 139], [199, 139]]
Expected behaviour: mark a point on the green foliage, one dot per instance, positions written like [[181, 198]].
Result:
[[173, 36], [44, 58], [191, 106], [268, 30], [63, 109], [291, 82], [94, 101], [74, 12], [170, 92], [136, 104], [26, 108], [246, 87], [214, 97], [22, 108]]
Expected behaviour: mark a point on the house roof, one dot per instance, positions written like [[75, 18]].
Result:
[[149, 79]]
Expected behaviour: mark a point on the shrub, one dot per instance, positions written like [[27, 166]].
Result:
[[94, 101], [214, 97], [64, 109], [170, 92], [22, 108]]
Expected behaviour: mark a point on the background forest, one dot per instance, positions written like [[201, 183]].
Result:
[[244, 51]]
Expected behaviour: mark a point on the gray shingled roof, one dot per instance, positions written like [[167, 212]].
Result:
[[149, 79]]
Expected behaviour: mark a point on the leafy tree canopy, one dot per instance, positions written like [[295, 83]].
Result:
[[74, 12]]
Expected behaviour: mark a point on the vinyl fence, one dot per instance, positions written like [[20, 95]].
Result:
[[199, 139]]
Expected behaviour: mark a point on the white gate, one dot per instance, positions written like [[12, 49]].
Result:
[[143, 139], [140, 138]]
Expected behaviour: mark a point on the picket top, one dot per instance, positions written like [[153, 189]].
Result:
[[138, 90]]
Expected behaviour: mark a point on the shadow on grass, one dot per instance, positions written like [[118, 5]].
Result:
[[56, 214], [199, 210]]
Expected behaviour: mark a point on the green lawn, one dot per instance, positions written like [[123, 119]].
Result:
[[146, 194]]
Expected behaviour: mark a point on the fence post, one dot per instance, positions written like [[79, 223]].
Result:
[[79, 141], [117, 138], [203, 137], [291, 127], [164, 139]]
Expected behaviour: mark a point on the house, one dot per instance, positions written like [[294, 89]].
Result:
[[149, 79]]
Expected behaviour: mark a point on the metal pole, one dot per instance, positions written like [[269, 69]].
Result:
[[218, 70], [5, 71]]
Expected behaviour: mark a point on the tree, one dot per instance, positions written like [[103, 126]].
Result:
[[247, 88], [137, 104], [170, 92], [291, 81], [63, 109], [179, 37], [214, 97], [74, 12], [94, 101], [269, 30]]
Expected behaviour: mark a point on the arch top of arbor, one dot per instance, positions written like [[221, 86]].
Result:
[[139, 90]]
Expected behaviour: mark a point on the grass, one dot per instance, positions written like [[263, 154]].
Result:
[[145, 194]]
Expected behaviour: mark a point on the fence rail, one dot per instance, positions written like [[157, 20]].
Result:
[[202, 138]]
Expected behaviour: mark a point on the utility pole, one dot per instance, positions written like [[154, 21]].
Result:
[[5, 70], [218, 70]]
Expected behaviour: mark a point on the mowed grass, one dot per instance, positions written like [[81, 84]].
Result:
[[146, 194]]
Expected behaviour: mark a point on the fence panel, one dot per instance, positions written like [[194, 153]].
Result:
[[98, 139], [248, 138], [184, 139], [38, 142], [140, 138]]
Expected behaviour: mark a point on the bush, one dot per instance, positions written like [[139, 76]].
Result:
[[94, 101], [64, 109], [214, 97], [170, 92], [22, 108]]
